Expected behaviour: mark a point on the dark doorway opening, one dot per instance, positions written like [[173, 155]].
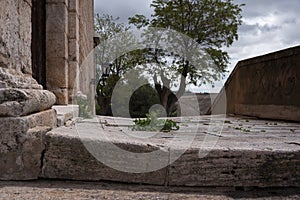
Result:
[[38, 44]]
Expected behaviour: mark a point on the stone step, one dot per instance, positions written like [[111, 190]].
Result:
[[66, 113], [196, 155]]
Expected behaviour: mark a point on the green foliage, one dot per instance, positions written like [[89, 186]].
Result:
[[152, 123], [141, 101], [84, 109], [212, 24]]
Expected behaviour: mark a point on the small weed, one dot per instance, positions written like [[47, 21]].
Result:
[[263, 131], [152, 123], [292, 130], [227, 122], [242, 129]]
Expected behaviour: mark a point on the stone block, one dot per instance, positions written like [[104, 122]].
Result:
[[57, 45], [56, 73], [56, 18], [67, 158], [73, 25], [18, 102], [73, 5], [73, 76], [61, 96], [22, 144], [233, 168], [73, 50], [66, 2], [238, 159]]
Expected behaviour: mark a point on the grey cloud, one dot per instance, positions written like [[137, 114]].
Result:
[[123, 8]]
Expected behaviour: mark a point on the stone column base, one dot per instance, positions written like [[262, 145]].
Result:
[[22, 144]]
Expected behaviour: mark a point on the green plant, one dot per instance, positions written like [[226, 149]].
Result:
[[83, 103], [152, 123]]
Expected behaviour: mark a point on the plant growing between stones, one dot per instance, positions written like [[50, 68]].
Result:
[[84, 109], [152, 123]]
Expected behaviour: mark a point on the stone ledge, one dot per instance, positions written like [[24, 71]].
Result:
[[66, 113], [239, 158], [22, 144], [21, 102]]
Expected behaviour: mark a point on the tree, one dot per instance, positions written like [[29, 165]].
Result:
[[112, 49], [210, 23], [107, 27]]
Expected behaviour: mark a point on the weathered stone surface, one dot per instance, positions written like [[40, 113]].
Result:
[[196, 104], [86, 43], [237, 168], [56, 46], [65, 113], [57, 18], [73, 25], [73, 77], [15, 43], [21, 144], [67, 158], [16, 102], [73, 50], [256, 153], [57, 73], [266, 86], [73, 5], [15, 36], [62, 96]]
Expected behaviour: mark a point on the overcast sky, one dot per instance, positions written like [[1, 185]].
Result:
[[268, 25]]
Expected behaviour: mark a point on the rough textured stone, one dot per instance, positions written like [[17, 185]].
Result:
[[65, 113], [86, 43], [56, 46], [57, 18], [266, 86], [73, 5], [15, 36], [16, 102], [67, 158], [57, 74], [73, 77], [73, 50], [21, 144], [61, 96], [258, 153], [73, 25]]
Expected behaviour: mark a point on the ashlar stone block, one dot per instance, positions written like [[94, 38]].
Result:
[[73, 50], [57, 73], [57, 45], [56, 18], [73, 25]]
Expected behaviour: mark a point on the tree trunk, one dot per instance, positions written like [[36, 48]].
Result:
[[104, 104]]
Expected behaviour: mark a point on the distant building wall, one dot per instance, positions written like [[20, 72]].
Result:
[[196, 104], [266, 86]]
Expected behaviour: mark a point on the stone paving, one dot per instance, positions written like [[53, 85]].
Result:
[[45, 189]]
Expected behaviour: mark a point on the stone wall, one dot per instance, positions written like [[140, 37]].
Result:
[[57, 49], [69, 51], [15, 41], [266, 86], [86, 53], [25, 108]]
